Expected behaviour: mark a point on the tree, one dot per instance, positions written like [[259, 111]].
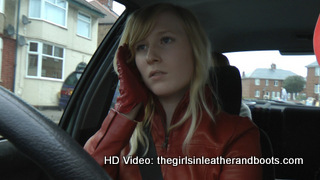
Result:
[[294, 84]]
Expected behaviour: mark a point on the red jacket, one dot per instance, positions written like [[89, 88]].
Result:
[[229, 137]]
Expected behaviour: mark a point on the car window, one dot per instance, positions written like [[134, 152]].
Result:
[[269, 77], [72, 79], [49, 63]]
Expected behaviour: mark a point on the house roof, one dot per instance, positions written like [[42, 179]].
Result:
[[314, 64], [274, 74], [84, 4], [110, 17]]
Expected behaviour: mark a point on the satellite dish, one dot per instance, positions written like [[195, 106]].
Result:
[[25, 20], [10, 30], [22, 41]]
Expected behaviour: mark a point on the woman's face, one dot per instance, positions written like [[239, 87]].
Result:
[[165, 58]]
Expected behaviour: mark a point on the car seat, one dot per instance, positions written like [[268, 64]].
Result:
[[226, 82]]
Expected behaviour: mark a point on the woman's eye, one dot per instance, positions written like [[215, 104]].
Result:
[[166, 40], [141, 47]]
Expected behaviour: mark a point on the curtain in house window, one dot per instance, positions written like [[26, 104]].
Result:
[[35, 8], [317, 88], [54, 11], [1, 6], [84, 25], [55, 14], [317, 71]]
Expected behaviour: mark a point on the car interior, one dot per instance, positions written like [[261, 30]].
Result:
[[40, 149]]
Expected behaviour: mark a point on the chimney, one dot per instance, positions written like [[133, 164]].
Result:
[[107, 3], [273, 66]]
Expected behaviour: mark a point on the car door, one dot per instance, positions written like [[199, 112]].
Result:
[[84, 113]]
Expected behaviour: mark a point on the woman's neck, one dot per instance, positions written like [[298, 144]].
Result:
[[169, 104]]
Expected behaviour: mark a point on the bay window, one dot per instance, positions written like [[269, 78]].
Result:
[[54, 11], [1, 6], [45, 61]]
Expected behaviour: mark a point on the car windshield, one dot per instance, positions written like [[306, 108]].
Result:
[[57, 56], [50, 37]]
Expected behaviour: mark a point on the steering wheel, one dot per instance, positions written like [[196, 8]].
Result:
[[44, 142]]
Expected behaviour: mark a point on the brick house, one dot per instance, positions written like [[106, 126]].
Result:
[[264, 83], [313, 80], [7, 52], [7, 45]]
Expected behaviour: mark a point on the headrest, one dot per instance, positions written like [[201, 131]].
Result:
[[226, 82]]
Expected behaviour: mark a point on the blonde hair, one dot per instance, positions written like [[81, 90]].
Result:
[[138, 26]]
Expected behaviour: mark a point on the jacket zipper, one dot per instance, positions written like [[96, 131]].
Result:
[[166, 138], [165, 143], [163, 119]]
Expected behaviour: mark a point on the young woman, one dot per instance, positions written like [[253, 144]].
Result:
[[163, 66]]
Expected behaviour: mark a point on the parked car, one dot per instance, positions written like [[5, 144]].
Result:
[[310, 101], [69, 84], [33, 147]]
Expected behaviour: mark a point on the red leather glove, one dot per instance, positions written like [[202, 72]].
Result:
[[132, 89]]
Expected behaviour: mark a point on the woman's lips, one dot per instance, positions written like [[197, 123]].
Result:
[[156, 74]]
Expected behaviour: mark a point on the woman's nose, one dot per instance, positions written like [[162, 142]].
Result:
[[152, 55]]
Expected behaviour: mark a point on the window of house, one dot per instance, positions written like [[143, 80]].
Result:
[[257, 82], [317, 71], [84, 25], [273, 94], [278, 94], [316, 88], [45, 61], [276, 83], [54, 11], [1, 6], [1, 47], [267, 82], [257, 94]]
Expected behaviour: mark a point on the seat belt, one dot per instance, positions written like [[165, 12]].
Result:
[[149, 171]]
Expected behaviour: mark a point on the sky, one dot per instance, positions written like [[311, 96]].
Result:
[[118, 8], [248, 61]]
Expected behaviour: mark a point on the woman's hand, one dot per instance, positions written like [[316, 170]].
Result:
[[132, 90]]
